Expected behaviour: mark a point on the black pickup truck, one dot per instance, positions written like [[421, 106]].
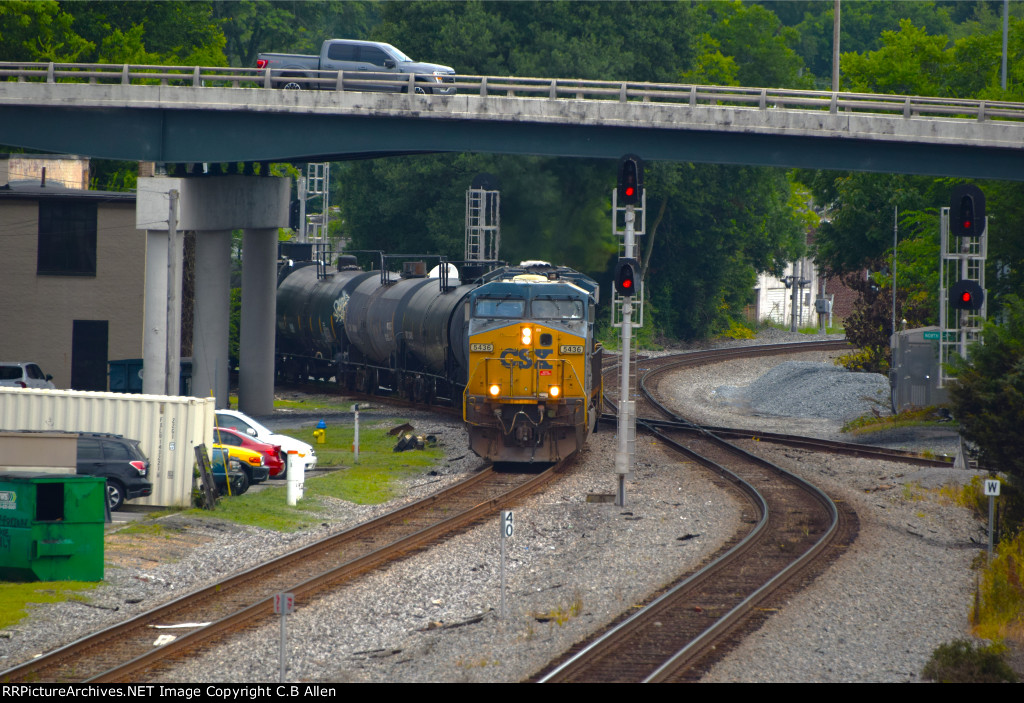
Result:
[[366, 65]]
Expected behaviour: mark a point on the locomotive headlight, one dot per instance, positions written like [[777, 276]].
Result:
[[495, 390], [554, 391], [527, 335]]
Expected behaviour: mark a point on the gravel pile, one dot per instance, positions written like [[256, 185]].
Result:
[[573, 566], [810, 389]]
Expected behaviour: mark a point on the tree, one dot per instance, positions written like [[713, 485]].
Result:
[[759, 45], [988, 396], [39, 31]]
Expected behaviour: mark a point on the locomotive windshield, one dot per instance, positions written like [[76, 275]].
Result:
[[562, 309], [499, 307]]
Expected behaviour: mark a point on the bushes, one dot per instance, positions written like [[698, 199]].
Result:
[[961, 661], [999, 611]]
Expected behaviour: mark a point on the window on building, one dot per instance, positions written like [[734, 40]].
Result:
[[67, 238]]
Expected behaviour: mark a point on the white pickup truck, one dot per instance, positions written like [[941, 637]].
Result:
[[364, 65]]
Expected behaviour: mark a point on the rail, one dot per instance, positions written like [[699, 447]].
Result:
[[510, 86]]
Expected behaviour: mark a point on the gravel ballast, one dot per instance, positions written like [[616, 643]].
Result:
[[573, 566]]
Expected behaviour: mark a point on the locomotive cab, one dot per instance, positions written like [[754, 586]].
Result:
[[532, 392]]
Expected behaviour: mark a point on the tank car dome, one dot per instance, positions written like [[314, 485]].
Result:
[[453, 272]]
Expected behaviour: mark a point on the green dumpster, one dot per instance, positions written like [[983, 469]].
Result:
[[51, 526]]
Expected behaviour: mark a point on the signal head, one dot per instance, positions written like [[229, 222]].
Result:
[[631, 180], [967, 211], [966, 295], [627, 277]]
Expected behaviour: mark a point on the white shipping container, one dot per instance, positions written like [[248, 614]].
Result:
[[168, 428]]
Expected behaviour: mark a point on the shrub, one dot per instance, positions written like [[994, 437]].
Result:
[[1000, 602], [961, 661]]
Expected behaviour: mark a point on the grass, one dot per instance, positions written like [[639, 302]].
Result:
[[311, 404], [15, 598], [375, 479], [913, 417], [809, 329]]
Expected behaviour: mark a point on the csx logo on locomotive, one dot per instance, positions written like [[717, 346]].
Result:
[[520, 358]]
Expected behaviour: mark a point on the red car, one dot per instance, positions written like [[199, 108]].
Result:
[[272, 455]]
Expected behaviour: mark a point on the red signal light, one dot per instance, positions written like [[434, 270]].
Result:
[[966, 295], [630, 180], [627, 275]]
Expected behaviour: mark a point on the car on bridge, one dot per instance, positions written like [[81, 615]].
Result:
[[373, 66]]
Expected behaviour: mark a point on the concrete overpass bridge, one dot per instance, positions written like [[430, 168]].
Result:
[[196, 114]]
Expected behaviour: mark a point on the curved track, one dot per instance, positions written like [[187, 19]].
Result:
[[795, 529]]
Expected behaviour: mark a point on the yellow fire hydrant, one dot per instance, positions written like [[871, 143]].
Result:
[[320, 432]]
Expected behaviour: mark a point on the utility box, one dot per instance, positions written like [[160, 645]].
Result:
[[51, 527], [125, 375], [914, 375]]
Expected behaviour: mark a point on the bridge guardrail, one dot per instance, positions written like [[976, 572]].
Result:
[[520, 87]]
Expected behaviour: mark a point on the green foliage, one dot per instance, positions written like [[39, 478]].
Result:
[[999, 605], [870, 359], [373, 480], [913, 417], [861, 27], [17, 598], [988, 396], [910, 62], [759, 46], [32, 30], [738, 330], [962, 661]]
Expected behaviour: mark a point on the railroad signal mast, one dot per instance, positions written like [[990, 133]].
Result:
[[962, 307], [629, 193], [483, 219]]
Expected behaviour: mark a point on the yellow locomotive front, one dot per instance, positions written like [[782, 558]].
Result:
[[534, 383]]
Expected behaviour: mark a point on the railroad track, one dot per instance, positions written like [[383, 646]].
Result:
[[794, 529], [127, 651]]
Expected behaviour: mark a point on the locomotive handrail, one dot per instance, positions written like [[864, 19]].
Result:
[[496, 87]]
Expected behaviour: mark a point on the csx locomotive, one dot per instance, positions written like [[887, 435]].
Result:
[[515, 347]]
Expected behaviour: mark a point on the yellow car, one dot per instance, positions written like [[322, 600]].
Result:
[[252, 461]]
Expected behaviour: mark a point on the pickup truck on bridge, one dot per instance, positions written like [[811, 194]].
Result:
[[384, 68]]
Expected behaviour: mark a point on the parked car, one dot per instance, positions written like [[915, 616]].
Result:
[[24, 374], [219, 458], [251, 460], [117, 459], [364, 61], [273, 455], [296, 451]]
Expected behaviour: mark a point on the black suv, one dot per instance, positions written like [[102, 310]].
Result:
[[117, 459]]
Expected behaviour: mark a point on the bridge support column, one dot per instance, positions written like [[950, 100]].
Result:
[[211, 320], [259, 314], [154, 340], [212, 206]]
